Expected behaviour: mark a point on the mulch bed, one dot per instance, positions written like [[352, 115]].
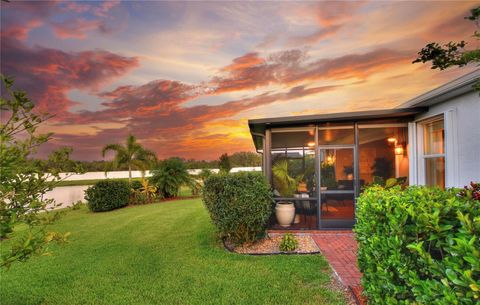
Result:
[[270, 245]]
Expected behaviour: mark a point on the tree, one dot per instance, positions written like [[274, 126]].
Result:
[[224, 163], [453, 53], [133, 155], [192, 163], [169, 176], [59, 161], [245, 159], [23, 183]]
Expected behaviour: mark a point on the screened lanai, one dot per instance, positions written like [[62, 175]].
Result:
[[320, 164]]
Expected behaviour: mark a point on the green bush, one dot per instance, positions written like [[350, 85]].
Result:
[[418, 246], [138, 198], [136, 185], [289, 243], [239, 204], [107, 195]]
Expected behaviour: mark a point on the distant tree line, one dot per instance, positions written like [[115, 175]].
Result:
[[60, 161]]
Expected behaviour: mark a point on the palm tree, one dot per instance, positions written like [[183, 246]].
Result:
[[283, 182], [169, 176], [132, 154]]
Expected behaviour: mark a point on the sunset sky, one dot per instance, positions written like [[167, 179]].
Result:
[[186, 77]]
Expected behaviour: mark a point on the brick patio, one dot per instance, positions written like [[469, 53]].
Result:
[[340, 249]]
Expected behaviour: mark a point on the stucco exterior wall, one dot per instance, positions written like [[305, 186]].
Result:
[[462, 137]]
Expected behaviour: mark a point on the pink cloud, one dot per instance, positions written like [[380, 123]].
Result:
[[103, 9], [49, 74], [76, 28], [336, 12], [20, 17], [77, 7]]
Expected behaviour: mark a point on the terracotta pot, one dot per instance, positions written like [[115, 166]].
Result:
[[285, 213]]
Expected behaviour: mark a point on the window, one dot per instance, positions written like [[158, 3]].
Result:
[[293, 162], [336, 134], [293, 174], [434, 152], [383, 153]]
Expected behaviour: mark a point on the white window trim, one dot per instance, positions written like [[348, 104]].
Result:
[[451, 148], [417, 166], [412, 153]]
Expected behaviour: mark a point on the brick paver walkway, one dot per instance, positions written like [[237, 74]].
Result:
[[340, 249]]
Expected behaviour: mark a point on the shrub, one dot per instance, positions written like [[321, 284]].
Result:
[[136, 185], [418, 246], [76, 205], [107, 195], [169, 176], [289, 243], [471, 192], [239, 204], [138, 198]]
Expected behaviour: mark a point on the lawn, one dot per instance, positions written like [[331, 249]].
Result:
[[163, 253], [90, 181]]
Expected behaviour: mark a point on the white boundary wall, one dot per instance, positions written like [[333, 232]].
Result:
[[67, 195], [138, 174]]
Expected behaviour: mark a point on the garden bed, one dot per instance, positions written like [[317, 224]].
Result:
[[270, 245]]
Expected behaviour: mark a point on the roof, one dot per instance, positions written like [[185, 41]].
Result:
[[445, 92], [259, 125]]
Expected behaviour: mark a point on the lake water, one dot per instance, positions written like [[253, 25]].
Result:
[[67, 195]]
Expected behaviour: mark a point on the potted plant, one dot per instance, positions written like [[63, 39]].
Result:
[[286, 185]]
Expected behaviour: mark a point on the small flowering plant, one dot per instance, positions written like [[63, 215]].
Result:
[[471, 191]]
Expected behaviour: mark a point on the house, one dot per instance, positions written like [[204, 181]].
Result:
[[433, 139]]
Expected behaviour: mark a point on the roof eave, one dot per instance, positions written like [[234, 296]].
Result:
[[445, 92]]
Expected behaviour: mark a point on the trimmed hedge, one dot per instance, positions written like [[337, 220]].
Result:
[[107, 195], [239, 204], [418, 246]]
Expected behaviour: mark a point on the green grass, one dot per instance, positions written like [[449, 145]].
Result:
[[163, 253], [90, 181], [185, 191]]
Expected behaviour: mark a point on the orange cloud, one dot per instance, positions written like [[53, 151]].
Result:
[[243, 62], [292, 67]]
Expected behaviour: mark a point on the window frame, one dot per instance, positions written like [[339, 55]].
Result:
[[422, 169]]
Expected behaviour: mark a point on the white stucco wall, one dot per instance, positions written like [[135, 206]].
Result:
[[67, 195], [102, 175], [124, 174], [462, 132]]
